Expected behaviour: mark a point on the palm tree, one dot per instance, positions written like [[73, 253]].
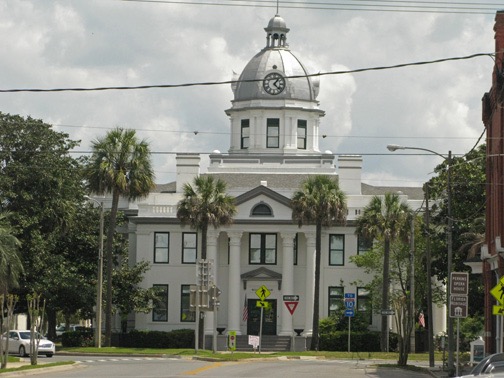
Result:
[[11, 266], [473, 240], [319, 201], [205, 203], [385, 217], [120, 165]]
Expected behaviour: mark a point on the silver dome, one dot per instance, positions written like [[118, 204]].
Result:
[[276, 57]]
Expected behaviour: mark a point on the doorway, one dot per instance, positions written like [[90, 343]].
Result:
[[269, 317]]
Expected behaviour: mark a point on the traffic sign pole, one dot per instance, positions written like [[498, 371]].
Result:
[[349, 323], [349, 312]]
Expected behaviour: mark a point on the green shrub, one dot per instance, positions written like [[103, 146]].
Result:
[[339, 322], [359, 341], [77, 339], [180, 338]]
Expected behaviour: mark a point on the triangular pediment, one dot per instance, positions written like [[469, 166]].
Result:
[[261, 274], [262, 190]]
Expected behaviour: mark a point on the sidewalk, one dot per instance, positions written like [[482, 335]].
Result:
[[437, 370]]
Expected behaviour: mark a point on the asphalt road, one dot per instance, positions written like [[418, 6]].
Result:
[[152, 367]]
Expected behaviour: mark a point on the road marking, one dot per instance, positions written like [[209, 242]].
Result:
[[203, 368], [126, 359]]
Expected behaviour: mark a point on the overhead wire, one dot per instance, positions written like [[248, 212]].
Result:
[[213, 83], [355, 5]]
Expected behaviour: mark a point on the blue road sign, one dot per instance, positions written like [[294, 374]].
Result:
[[349, 304], [349, 295], [349, 313]]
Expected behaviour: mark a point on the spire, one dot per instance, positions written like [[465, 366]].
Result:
[[276, 32]]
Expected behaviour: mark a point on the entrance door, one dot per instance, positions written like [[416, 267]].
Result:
[[269, 318]]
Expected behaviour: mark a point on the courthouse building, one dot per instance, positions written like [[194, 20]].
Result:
[[275, 123]]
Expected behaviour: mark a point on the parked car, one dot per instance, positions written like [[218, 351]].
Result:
[[60, 329], [19, 342]]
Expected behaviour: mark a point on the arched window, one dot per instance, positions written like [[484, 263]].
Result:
[[262, 210]]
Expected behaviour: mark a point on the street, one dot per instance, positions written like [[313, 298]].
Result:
[[153, 367]]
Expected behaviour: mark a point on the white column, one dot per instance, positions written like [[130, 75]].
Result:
[[212, 236], [287, 281], [234, 305], [310, 282]]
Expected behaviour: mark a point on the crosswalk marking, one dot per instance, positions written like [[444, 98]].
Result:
[[125, 359]]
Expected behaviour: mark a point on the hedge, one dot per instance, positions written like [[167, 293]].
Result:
[[180, 338], [359, 341]]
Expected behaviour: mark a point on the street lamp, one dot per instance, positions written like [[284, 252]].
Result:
[[100, 278], [448, 159]]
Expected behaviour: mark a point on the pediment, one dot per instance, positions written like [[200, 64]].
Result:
[[261, 274], [260, 191], [278, 204]]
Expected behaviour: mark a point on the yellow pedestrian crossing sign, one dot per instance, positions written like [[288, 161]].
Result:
[[263, 304], [498, 291], [263, 292], [498, 310]]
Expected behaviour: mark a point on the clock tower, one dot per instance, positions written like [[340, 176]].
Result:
[[275, 115]]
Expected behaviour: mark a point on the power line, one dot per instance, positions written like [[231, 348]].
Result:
[[212, 83], [324, 136], [355, 5]]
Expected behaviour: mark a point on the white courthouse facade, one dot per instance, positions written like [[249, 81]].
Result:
[[275, 120]]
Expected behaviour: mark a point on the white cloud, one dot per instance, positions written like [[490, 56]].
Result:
[[113, 43]]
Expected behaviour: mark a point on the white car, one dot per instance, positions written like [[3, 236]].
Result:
[[19, 342]]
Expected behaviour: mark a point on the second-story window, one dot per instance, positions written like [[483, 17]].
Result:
[[161, 247], [273, 133], [336, 249], [262, 249], [189, 247], [363, 244]]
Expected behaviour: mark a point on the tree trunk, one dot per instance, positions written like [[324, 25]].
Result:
[[51, 323], [109, 247], [316, 293], [385, 297]]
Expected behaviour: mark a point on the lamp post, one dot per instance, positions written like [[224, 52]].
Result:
[[449, 245], [99, 284]]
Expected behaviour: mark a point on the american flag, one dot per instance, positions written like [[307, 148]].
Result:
[[421, 319], [245, 310]]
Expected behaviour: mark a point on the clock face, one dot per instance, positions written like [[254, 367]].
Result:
[[274, 83]]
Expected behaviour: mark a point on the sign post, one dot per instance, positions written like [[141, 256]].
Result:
[[262, 293], [459, 290], [349, 312]]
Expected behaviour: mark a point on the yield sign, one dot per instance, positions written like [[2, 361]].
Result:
[[291, 306]]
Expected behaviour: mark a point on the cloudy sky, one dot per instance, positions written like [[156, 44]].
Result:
[[107, 43]]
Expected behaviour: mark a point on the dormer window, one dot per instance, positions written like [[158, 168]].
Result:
[[262, 210]]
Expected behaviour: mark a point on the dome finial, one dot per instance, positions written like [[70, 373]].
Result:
[[276, 32]]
